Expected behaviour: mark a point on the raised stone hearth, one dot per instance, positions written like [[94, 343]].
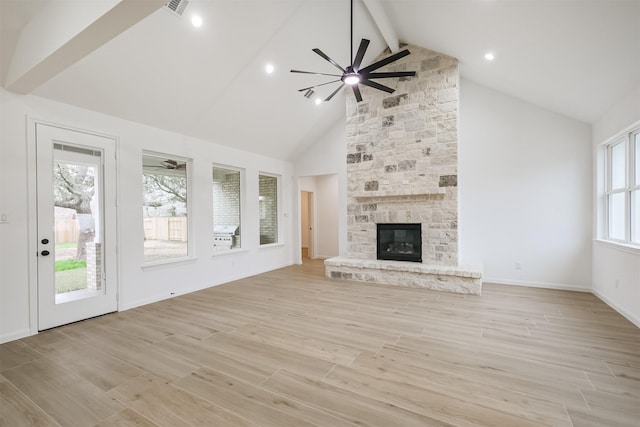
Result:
[[402, 167], [461, 280]]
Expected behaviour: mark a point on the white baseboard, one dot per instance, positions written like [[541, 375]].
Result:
[[157, 298], [630, 317], [545, 285], [15, 335]]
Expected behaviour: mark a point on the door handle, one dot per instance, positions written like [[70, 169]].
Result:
[[44, 253]]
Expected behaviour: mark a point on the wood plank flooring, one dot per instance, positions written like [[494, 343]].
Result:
[[292, 348]]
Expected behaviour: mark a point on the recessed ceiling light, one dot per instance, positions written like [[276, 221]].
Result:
[[269, 68], [318, 101], [196, 21], [489, 56]]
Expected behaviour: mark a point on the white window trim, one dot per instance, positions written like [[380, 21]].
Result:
[[150, 265], [279, 210], [626, 137], [243, 208]]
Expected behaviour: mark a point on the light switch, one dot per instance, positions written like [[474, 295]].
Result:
[[4, 217]]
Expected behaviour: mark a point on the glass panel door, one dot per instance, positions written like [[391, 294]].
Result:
[[76, 260]]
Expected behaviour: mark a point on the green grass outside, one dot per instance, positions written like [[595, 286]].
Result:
[[71, 280], [70, 264]]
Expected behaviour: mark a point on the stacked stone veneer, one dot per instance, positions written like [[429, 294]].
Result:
[[402, 167], [94, 265]]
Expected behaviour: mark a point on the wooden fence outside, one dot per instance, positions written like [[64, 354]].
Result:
[[157, 228], [166, 228], [66, 230]]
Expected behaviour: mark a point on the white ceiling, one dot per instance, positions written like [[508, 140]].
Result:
[[576, 58]]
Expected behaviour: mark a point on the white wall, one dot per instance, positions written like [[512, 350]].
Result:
[[137, 286], [525, 191], [328, 156], [326, 216], [616, 270]]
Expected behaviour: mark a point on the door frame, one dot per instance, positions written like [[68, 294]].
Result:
[[32, 209]]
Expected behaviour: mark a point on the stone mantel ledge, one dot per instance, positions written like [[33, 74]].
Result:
[[457, 279], [435, 194]]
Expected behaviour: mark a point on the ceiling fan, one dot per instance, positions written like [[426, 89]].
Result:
[[353, 75], [168, 164]]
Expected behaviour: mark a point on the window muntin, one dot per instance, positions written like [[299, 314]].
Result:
[[636, 150], [634, 222], [165, 207], [268, 206], [622, 188], [227, 218]]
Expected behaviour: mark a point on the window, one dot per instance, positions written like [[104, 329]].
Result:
[[268, 204], [623, 188], [226, 208], [165, 208]]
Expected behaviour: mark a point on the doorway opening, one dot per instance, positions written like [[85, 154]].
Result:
[[306, 225]]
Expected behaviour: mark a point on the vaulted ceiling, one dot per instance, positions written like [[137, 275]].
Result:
[[137, 60]]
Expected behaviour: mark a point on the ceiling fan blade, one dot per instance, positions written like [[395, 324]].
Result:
[[391, 74], [385, 61], [334, 92], [377, 86], [356, 92], [360, 55], [313, 87], [320, 74], [321, 53]]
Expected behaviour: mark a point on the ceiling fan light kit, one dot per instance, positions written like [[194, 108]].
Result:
[[355, 76]]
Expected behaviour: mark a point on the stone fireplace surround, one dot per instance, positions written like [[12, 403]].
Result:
[[402, 167]]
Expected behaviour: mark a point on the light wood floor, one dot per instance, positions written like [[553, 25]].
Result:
[[291, 348]]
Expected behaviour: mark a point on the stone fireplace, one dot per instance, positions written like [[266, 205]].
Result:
[[402, 168]]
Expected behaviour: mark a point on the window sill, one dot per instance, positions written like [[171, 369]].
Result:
[[230, 252], [624, 247], [156, 265], [271, 245]]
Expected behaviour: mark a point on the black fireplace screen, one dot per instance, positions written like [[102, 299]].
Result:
[[400, 242]]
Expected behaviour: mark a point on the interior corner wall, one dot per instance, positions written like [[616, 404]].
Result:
[[616, 270], [326, 216], [327, 156], [137, 286], [525, 191]]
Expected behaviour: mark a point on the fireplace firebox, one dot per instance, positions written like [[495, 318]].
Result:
[[399, 242]]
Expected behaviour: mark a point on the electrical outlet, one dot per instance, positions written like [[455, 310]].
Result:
[[518, 266]]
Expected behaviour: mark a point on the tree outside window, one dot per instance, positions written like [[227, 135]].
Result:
[[165, 208]]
